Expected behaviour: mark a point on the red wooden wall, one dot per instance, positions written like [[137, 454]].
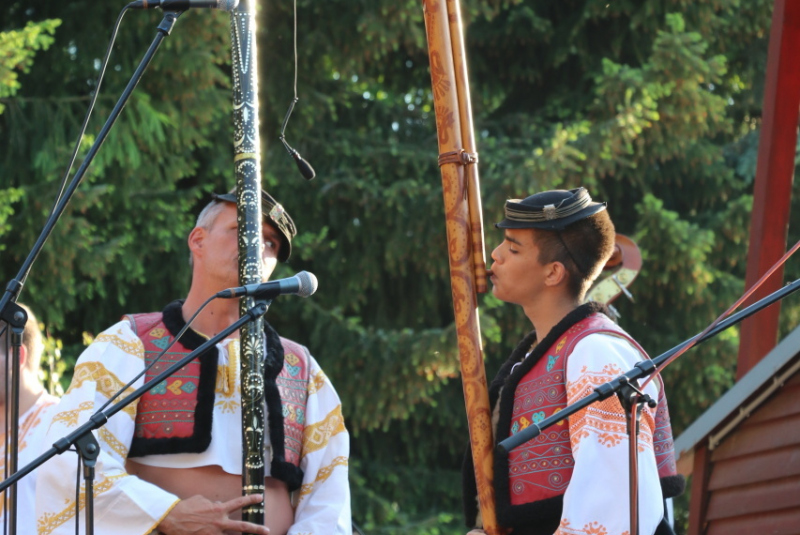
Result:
[[753, 477]]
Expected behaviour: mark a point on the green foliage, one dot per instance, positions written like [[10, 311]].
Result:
[[17, 48], [653, 105]]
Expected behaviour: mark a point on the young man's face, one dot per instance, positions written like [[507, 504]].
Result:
[[517, 274], [222, 247]]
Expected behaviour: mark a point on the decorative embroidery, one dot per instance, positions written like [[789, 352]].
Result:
[[542, 468], [118, 447], [131, 348], [227, 406], [322, 475], [107, 383], [592, 528], [316, 437], [48, 522], [70, 418], [316, 383], [606, 420], [162, 343]]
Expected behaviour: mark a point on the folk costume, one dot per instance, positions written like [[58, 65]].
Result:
[[126, 505], [33, 425], [572, 479], [193, 419]]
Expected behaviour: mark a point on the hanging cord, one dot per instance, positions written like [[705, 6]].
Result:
[[294, 101], [305, 168], [88, 116]]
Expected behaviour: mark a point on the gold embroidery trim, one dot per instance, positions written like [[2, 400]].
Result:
[[322, 475], [316, 436], [108, 384], [70, 418], [113, 442], [316, 383], [134, 348], [48, 522]]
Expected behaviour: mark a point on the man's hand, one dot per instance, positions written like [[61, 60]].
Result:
[[200, 516]]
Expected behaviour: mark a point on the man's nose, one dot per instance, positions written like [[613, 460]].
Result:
[[496, 254]]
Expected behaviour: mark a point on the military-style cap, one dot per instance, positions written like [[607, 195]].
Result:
[[275, 214], [550, 210]]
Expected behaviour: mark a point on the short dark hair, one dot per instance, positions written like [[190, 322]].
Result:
[[583, 247]]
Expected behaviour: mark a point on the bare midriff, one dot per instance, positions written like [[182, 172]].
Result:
[[217, 485]]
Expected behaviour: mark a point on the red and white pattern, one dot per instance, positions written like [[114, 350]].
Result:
[[597, 499]]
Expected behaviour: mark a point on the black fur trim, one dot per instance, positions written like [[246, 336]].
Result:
[[273, 364], [288, 473], [540, 517], [201, 436], [672, 486]]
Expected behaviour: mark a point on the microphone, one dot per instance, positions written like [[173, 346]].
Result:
[[182, 5], [302, 284], [305, 168]]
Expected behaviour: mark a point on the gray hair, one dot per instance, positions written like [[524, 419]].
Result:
[[206, 219]]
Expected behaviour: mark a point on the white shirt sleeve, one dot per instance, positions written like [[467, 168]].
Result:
[[323, 500], [123, 504], [597, 498]]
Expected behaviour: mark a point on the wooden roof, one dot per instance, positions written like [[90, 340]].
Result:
[[741, 401]]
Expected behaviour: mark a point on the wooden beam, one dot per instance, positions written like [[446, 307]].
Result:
[[774, 174], [698, 501]]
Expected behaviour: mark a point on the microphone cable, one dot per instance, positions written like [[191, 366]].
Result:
[[85, 124], [305, 168]]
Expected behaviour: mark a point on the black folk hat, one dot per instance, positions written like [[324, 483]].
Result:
[[275, 214], [550, 210]]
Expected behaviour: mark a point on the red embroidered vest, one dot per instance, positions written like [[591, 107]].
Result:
[[175, 415], [542, 468]]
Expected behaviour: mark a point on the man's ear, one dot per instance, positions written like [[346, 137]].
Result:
[[196, 238], [23, 356], [556, 274]]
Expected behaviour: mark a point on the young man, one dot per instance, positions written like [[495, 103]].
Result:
[[573, 478], [172, 463], [35, 411]]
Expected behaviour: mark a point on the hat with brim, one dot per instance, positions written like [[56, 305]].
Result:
[[550, 210], [274, 214]]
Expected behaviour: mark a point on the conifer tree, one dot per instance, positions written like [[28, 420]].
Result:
[[654, 106]]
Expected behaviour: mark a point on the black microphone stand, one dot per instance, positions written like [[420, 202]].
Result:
[[85, 442], [8, 307], [626, 387], [15, 318]]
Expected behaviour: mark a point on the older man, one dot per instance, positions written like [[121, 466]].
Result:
[[172, 463]]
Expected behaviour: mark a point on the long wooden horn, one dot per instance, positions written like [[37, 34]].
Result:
[[247, 166], [458, 160]]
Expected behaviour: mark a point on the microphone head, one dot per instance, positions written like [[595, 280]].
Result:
[[305, 168], [227, 5], [307, 283]]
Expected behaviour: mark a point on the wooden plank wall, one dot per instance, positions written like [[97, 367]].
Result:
[[754, 481]]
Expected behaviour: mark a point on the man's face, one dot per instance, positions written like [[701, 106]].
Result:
[[517, 275], [221, 248]]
